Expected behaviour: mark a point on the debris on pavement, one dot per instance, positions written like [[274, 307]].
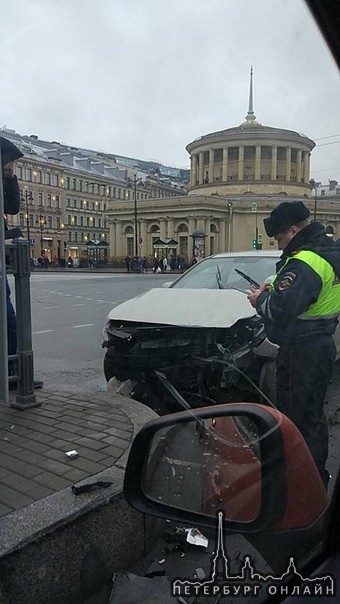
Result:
[[89, 486], [71, 454], [155, 570], [195, 537], [199, 574]]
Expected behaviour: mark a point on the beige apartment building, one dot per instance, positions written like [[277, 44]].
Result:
[[65, 193]]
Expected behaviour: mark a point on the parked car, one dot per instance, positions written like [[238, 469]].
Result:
[[198, 340]]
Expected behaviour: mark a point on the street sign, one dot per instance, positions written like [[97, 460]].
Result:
[[254, 206]]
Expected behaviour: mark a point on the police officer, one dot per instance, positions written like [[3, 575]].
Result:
[[300, 309]]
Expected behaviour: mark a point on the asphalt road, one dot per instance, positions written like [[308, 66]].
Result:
[[69, 311]]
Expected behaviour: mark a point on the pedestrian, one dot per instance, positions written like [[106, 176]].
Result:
[[300, 308], [144, 265], [70, 262], [9, 154], [155, 265], [127, 261]]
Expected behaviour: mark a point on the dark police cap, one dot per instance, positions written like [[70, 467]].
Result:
[[9, 152], [284, 216]]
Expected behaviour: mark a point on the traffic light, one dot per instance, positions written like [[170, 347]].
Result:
[[254, 244]]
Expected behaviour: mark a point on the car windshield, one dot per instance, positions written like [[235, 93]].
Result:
[[219, 272]]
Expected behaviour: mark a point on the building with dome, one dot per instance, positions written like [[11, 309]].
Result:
[[237, 176]]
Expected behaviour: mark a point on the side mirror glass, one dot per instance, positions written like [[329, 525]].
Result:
[[207, 465]]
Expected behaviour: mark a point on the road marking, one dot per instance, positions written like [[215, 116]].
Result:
[[34, 333], [88, 298], [86, 325], [80, 304], [50, 307]]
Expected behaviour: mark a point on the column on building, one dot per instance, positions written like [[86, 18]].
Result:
[[306, 167], [225, 165], [119, 238], [193, 172], [211, 165], [200, 168], [274, 163], [241, 162], [112, 239], [258, 162], [288, 163], [299, 165], [163, 225], [222, 240], [171, 228]]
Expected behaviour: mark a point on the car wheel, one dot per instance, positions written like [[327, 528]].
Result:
[[267, 381]]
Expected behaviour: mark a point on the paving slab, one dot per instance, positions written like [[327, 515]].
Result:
[[34, 443]]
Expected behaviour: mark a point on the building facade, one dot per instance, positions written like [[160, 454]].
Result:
[[65, 193], [237, 177]]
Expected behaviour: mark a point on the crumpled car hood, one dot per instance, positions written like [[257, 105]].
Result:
[[186, 307]]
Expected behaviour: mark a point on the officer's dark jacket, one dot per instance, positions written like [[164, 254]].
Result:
[[297, 287]]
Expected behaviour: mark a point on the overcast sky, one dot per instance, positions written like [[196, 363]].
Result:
[[143, 78]]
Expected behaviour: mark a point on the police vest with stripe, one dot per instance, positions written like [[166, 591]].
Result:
[[327, 305]]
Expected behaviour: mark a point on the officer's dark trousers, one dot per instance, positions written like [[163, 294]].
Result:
[[303, 372]]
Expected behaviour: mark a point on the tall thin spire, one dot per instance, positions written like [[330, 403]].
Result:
[[251, 100], [250, 117]]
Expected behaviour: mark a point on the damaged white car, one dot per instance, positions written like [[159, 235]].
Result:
[[197, 341]]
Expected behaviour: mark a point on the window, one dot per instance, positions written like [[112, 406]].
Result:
[[40, 199], [69, 219], [57, 201], [58, 223], [48, 178], [75, 221], [99, 223], [49, 222], [80, 185], [29, 174], [74, 184], [21, 219], [19, 172], [39, 176], [49, 201], [70, 236], [81, 221], [68, 184], [75, 203], [76, 236], [56, 180], [68, 202]]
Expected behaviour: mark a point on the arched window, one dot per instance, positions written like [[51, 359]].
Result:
[[182, 228]]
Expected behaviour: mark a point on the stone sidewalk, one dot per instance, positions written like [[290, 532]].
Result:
[[34, 442]]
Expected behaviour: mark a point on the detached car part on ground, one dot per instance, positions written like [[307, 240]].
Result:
[[189, 346]]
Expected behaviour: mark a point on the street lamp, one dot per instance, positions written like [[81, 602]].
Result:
[[41, 221], [27, 197]]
